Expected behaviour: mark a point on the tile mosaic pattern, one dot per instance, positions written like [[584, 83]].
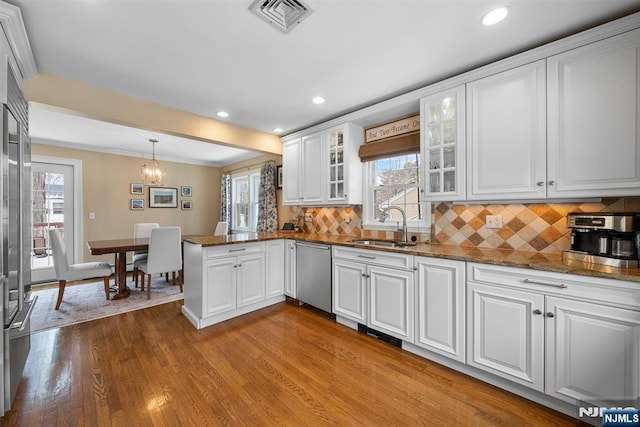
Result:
[[331, 221], [526, 227]]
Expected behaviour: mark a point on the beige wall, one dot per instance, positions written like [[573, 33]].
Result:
[[106, 180]]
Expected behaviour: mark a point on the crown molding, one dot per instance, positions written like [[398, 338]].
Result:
[[14, 30]]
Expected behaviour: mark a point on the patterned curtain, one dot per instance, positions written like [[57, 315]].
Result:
[[267, 204], [225, 200]]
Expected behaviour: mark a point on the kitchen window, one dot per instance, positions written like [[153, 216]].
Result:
[[244, 200], [395, 181]]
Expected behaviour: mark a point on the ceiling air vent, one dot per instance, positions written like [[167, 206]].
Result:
[[283, 14]]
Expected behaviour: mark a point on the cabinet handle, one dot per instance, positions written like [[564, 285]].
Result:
[[550, 314], [235, 266], [555, 285], [540, 183], [552, 183], [537, 311], [367, 256], [237, 250]]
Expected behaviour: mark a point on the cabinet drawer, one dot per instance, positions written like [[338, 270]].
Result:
[[612, 292], [387, 259], [232, 250]]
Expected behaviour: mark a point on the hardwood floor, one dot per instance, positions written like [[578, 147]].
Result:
[[283, 365]]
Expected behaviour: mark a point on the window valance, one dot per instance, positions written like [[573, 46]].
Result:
[[408, 143]]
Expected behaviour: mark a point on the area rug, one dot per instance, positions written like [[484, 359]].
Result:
[[86, 301]]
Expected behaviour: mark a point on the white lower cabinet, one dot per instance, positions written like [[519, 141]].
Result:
[[350, 290], [275, 267], [593, 353], [290, 269], [226, 281], [367, 291], [234, 282], [391, 301], [505, 337], [574, 338], [440, 306]]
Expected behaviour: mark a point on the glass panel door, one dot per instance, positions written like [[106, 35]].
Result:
[[52, 207]]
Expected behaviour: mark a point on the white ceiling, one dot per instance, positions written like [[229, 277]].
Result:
[[203, 56]]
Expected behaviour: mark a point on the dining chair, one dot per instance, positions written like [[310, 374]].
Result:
[[68, 272], [165, 254], [221, 229], [141, 230]]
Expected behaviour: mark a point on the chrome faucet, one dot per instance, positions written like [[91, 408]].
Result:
[[385, 213]]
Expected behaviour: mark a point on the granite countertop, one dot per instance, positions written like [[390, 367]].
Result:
[[510, 258]]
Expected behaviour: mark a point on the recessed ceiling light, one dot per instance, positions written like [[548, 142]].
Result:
[[277, 130], [318, 100], [495, 16], [222, 114]]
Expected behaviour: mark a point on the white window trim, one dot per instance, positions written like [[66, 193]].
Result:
[[368, 221], [248, 174]]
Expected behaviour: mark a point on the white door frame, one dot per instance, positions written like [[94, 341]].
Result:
[[77, 199]]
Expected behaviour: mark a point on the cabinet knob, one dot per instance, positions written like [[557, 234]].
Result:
[[235, 266], [239, 265], [550, 314], [537, 311], [540, 183], [552, 183]]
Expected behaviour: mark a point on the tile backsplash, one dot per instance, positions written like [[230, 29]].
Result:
[[534, 227], [531, 227]]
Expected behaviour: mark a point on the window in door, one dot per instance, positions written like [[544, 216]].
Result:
[[52, 206], [244, 200]]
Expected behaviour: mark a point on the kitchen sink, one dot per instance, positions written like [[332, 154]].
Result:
[[382, 243]]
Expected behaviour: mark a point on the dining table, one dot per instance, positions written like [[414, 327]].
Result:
[[119, 247]]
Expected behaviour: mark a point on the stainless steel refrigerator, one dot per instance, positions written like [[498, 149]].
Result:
[[15, 234]]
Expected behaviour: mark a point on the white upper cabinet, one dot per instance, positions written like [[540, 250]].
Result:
[[594, 119], [323, 168], [291, 189], [506, 130], [312, 168], [442, 144], [344, 174]]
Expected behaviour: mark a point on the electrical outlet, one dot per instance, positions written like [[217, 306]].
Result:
[[92, 215], [347, 219], [494, 221], [308, 217]]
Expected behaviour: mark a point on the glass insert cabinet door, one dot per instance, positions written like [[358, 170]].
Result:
[[442, 144], [336, 141]]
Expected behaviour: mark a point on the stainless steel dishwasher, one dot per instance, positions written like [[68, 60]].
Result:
[[313, 274]]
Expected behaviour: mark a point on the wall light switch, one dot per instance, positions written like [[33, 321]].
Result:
[[92, 215], [347, 219], [494, 221]]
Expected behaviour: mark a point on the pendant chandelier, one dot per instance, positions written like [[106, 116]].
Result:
[[153, 172]]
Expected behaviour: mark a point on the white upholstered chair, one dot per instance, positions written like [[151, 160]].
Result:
[[165, 254], [141, 230], [68, 272], [221, 229]]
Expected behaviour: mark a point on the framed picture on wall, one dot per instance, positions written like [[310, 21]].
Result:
[[162, 197], [279, 176], [186, 205], [137, 204], [137, 188], [185, 191]]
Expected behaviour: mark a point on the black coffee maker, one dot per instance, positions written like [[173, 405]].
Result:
[[606, 238]]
